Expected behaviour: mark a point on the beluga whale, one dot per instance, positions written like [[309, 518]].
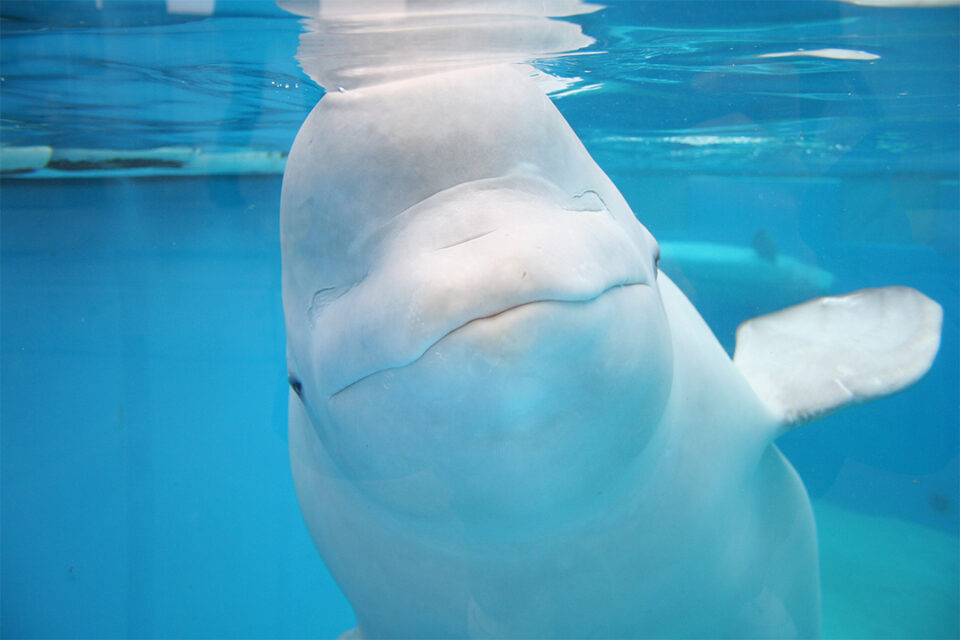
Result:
[[506, 421]]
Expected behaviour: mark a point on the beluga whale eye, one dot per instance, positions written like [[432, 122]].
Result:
[[296, 385]]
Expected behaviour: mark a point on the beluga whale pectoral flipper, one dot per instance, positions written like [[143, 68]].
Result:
[[833, 352], [506, 421]]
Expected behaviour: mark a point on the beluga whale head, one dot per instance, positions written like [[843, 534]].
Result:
[[480, 306], [505, 420]]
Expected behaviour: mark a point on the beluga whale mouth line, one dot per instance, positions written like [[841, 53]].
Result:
[[491, 316]]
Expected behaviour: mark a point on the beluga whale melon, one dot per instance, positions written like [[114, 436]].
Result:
[[506, 421]]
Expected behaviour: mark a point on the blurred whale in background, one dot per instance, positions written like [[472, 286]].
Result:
[[506, 420], [753, 277]]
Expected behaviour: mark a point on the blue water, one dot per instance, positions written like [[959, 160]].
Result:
[[145, 482]]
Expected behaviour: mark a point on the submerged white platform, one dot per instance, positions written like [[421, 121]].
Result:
[[885, 577]]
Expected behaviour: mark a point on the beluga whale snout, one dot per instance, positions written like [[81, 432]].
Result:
[[506, 421]]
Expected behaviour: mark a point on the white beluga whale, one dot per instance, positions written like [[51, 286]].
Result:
[[742, 275], [506, 421]]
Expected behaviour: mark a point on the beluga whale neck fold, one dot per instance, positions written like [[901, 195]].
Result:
[[505, 421]]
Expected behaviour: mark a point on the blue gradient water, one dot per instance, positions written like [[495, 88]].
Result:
[[145, 484]]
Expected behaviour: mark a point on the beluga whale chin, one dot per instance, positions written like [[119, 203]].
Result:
[[506, 421]]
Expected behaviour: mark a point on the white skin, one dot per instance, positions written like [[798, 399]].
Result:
[[508, 422]]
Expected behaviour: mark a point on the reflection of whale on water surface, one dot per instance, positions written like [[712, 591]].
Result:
[[349, 44], [509, 421]]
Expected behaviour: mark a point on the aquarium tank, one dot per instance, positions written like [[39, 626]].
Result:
[[162, 317]]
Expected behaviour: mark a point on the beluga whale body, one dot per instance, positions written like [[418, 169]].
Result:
[[506, 421]]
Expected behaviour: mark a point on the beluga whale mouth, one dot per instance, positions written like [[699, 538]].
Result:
[[500, 317]]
